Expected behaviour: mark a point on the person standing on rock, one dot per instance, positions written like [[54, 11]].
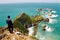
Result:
[[10, 24]]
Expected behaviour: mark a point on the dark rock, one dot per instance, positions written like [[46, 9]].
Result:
[[30, 25], [46, 20], [22, 21], [34, 24], [44, 27]]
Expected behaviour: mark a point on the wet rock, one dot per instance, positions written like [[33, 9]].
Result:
[[46, 20], [34, 24], [44, 27]]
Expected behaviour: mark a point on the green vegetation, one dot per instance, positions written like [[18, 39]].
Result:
[[33, 37], [20, 26], [25, 18], [0, 27], [37, 18], [22, 20]]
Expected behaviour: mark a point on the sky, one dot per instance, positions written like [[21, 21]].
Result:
[[29, 1]]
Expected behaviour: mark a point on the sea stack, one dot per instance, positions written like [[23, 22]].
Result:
[[46, 20]]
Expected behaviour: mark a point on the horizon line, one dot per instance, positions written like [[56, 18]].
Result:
[[27, 2]]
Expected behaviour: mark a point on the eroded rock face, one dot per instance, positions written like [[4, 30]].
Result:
[[46, 20]]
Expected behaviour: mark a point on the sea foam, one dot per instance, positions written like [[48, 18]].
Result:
[[49, 29], [31, 31], [54, 12], [52, 21]]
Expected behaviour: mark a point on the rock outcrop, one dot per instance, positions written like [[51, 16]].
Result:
[[46, 20], [15, 36], [22, 21], [20, 24]]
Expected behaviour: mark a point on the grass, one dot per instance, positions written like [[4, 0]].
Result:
[[37, 18], [0, 27], [23, 18], [33, 37]]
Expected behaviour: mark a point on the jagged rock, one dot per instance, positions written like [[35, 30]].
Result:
[[46, 20], [22, 21]]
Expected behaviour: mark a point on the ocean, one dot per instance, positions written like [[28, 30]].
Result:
[[30, 8]]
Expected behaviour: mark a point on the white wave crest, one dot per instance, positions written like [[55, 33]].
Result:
[[42, 38], [54, 12], [49, 29], [31, 31], [52, 21], [52, 16]]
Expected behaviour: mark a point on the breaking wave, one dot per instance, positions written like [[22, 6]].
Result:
[[54, 12]]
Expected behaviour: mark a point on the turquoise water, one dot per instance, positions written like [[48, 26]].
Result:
[[30, 8]]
